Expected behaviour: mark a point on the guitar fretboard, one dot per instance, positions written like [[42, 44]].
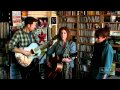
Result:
[[40, 47]]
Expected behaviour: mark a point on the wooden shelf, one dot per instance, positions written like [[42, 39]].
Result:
[[114, 45], [86, 43], [116, 62]]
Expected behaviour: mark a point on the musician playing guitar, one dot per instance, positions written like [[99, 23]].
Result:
[[22, 38], [60, 67]]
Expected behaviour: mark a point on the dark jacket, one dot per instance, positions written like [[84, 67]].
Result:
[[102, 59]]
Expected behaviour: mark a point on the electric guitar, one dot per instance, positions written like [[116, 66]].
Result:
[[35, 50], [57, 66]]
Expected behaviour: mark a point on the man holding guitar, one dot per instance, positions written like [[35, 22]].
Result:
[[24, 45], [60, 66]]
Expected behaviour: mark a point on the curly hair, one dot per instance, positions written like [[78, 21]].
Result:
[[68, 33]]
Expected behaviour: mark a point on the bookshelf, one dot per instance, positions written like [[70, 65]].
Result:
[[4, 38], [112, 19], [69, 19], [84, 24], [88, 22]]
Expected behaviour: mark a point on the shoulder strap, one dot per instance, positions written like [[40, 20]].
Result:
[[67, 50], [56, 46]]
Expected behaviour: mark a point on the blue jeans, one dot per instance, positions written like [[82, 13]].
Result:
[[43, 59], [15, 72]]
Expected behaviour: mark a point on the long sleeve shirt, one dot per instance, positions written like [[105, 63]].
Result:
[[102, 59], [21, 39], [58, 49]]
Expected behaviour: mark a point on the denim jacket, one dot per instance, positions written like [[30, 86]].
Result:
[[58, 49]]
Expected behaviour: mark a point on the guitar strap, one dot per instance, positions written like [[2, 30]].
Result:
[[66, 49], [57, 47]]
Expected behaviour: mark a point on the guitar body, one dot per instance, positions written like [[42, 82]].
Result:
[[26, 60], [35, 49], [56, 68]]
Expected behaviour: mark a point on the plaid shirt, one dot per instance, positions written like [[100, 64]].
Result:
[[21, 39]]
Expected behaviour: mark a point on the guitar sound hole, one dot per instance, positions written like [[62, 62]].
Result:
[[32, 51]]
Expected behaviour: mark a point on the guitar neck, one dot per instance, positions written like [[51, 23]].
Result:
[[42, 47]]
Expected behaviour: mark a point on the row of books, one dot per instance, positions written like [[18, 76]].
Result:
[[73, 32], [62, 24], [68, 19], [85, 54], [4, 29], [87, 40], [86, 32], [88, 12], [89, 19], [71, 19], [114, 33], [72, 25], [67, 13], [98, 12], [114, 26], [111, 12], [89, 25], [70, 13], [69, 25], [86, 48]]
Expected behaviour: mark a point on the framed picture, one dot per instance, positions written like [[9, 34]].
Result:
[[16, 18], [42, 22], [53, 20]]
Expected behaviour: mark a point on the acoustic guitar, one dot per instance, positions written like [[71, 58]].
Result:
[[57, 66], [35, 50]]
